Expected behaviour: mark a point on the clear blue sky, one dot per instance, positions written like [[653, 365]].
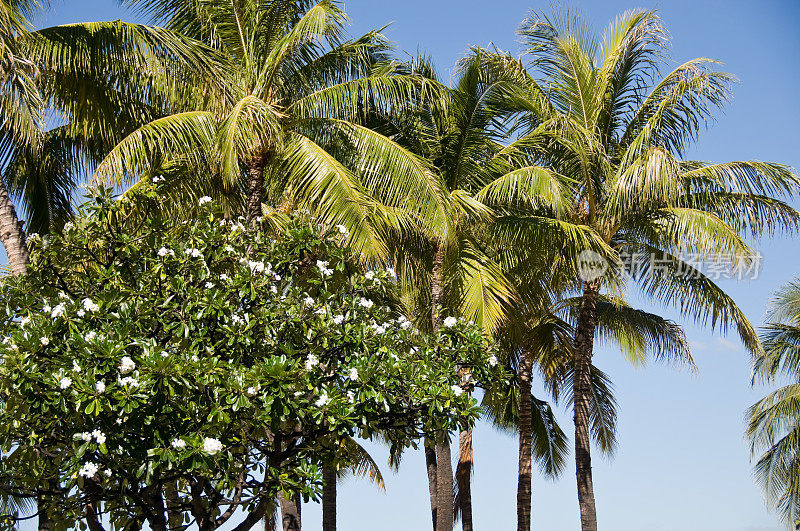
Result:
[[682, 463]]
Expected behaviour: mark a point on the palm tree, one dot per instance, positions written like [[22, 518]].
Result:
[[97, 80], [282, 119], [590, 118], [773, 422]]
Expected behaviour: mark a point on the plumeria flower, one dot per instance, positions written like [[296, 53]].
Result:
[[100, 386], [378, 329], [237, 319], [212, 446], [24, 321], [81, 312], [311, 362], [99, 436], [205, 199], [457, 390], [273, 290], [342, 230], [85, 436], [256, 267], [369, 275], [391, 272], [252, 391], [351, 397], [339, 319], [209, 285], [223, 277], [308, 301], [68, 226], [164, 252], [90, 335], [89, 305], [126, 365], [366, 303], [89, 470], [450, 322], [492, 360], [323, 400], [107, 473], [353, 374], [44, 341], [58, 311], [320, 311], [75, 366], [178, 444], [228, 248], [129, 382], [194, 253], [65, 382]]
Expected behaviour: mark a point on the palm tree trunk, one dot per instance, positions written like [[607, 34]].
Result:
[[444, 486], [329, 498], [12, 235], [524, 473], [430, 463], [463, 504], [444, 466], [255, 185], [581, 388], [290, 512]]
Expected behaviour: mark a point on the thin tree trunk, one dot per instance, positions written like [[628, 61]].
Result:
[[255, 186], [524, 474], [45, 523], [581, 388], [463, 505], [329, 498], [12, 235], [444, 486], [290, 512], [430, 463]]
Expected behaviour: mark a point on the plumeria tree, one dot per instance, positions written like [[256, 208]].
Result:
[[175, 373]]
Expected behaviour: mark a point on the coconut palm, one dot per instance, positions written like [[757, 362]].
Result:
[[96, 81], [600, 117], [774, 421], [283, 120]]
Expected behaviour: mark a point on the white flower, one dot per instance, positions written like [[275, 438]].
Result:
[[311, 362], [273, 290], [391, 272], [65, 382], [256, 267], [86, 436], [178, 444], [237, 319], [81, 312], [100, 386], [24, 321], [90, 335], [129, 382], [308, 301], [320, 311], [212, 446], [44, 341], [323, 400], [126, 365], [223, 277], [46, 308], [277, 277], [351, 396], [228, 248], [209, 285], [89, 305], [194, 358], [107, 473], [366, 303], [58, 311], [163, 252], [493, 360], [450, 322], [88, 470], [353, 374], [321, 264], [339, 319], [99, 436], [379, 329], [75, 366], [457, 390], [342, 230], [68, 226], [203, 200], [369, 275], [252, 391]]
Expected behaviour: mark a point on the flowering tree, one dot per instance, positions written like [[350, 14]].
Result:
[[174, 373]]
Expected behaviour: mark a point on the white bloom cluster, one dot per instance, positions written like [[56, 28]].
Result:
[[76, 367], [253, 390], [223, 277], [343, 230], [24, 321], [194, 253], [308, 301], [209, 285], [450, 322], [366, 303], [311, 362], [203, 200], [58, 311], [404, 323], [68, 226], [90, 335], [126, 365], [44, 341], [320, 311], [323, 268], [323, 400], [164, 252], [178, 444], [378, 329], [391, 272], [351, 397], [457, 390], [65, 382], [212, 446], [353, 374], [158, 178], [100, 386], [369, 275], [339, 319], [129, 382], [493, 360], [89, 305], [256, 267], [99, 436], [237, 319], [88, 470]]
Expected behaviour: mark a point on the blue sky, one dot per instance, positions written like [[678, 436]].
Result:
[[682, 462]]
